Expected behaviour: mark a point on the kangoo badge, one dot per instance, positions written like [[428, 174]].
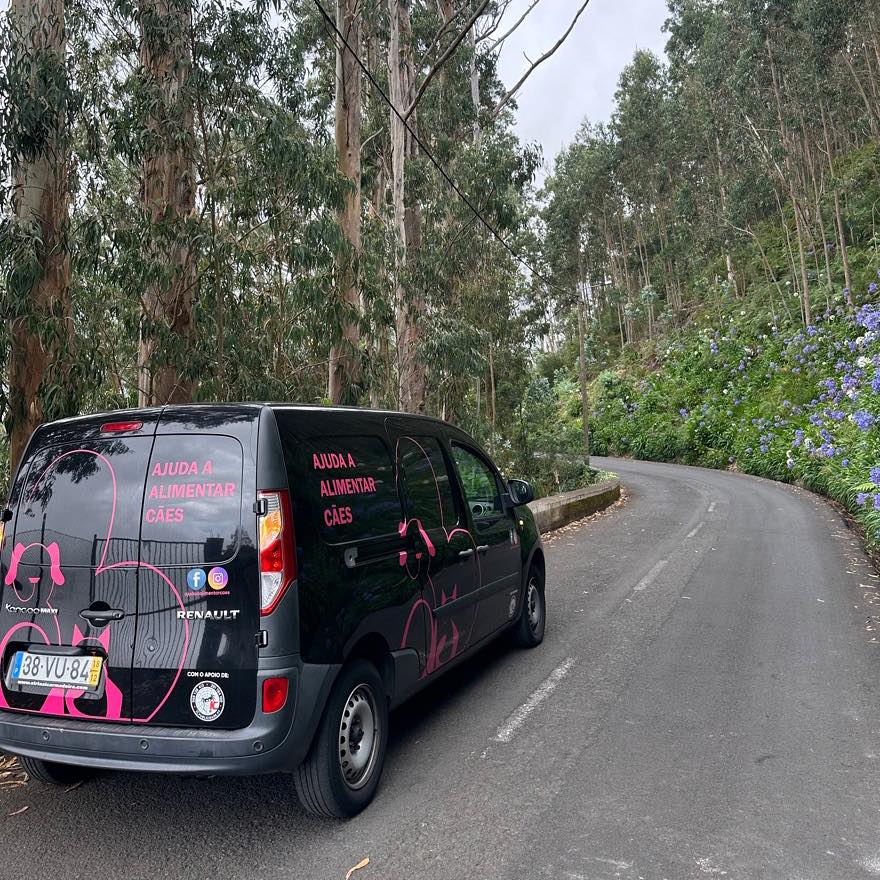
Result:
[[207, 701]]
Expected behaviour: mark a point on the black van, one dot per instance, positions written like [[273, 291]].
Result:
[[244, 589]]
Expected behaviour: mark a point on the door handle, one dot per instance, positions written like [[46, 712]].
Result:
[[483, 548], [101, 616], [466, 554]]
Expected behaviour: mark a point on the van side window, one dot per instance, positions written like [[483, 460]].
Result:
[[350, 488], [479, 483], [429, 494]]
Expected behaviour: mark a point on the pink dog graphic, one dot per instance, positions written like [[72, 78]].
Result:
[[60, 701]]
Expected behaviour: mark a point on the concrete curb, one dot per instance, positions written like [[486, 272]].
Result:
[[559, 510]]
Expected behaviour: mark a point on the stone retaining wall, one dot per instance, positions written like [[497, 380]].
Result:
[[559, 510]]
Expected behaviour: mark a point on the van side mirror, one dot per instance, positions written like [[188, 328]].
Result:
[[520, 492]]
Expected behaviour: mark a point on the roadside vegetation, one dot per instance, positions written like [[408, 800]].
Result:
[[721, 239]]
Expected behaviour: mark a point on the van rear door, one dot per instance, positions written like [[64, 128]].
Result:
[[195, 653], [70, 569]]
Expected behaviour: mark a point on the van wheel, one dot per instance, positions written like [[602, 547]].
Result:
[[51, 773], [341, 773], [528, 632]]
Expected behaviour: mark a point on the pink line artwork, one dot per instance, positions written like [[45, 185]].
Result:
[[438, 640], [60, 701]]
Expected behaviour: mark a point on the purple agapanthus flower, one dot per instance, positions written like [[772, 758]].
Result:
[[863, 419], [875, 476], [862, 499]]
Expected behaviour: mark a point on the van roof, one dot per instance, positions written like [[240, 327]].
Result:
[[251, 405]]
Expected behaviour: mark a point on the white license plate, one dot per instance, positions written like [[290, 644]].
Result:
[[76, 672]]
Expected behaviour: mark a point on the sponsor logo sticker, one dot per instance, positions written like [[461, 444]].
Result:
[[207, 700], [195, 580], [218, 578], [199, 584]]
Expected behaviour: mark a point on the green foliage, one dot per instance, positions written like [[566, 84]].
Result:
[[773, 400]]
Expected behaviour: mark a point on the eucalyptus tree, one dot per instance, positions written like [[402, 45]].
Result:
[[36, 141], [168, 193]]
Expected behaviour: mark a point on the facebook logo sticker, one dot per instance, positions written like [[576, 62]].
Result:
[[195, 580]]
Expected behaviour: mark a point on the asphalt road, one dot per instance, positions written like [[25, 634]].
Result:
[[706, 704]]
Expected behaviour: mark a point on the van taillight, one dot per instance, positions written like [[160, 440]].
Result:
[[117, 427], [277, 554]]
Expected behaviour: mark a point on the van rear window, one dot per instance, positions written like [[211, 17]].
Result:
[[192, 502], [86, 499], [350, 488]]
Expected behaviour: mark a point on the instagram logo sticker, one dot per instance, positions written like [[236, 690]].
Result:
[[218, 578]]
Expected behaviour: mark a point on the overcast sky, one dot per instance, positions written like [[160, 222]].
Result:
[[579, 80]]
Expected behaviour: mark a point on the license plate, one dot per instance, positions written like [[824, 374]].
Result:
[[79, 672]]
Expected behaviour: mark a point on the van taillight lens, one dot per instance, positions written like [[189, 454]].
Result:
[[274, 694], [117, 427], [277, 554]]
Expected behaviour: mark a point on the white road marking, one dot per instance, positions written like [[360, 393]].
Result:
[[694, 530], [711, 507], [507, 731], [649, 578]]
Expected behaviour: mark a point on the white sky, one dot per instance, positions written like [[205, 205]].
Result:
[[580, 79]]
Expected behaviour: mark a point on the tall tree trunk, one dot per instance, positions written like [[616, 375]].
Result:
[[838, 217], [345, 354], [42, 336], [805, 283], [872, 112], [806, 310], [728, 257], [168, 198], [409, 304], [475, 84], [492, 398], [585, 399]]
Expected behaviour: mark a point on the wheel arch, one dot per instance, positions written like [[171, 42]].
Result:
[[374, 648]]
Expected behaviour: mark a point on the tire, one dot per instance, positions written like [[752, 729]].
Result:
[[50, 773], [528, 631], [338, 778]]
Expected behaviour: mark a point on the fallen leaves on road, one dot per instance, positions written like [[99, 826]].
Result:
[[73, 787], [19, 811], [361, 864], [11, 774]]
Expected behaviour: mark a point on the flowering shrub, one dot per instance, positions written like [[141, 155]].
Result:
[[787, 404]]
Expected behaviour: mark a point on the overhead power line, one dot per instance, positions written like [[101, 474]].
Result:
[[463, 196]]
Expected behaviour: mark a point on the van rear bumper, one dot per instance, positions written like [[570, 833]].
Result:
[[271, 743]]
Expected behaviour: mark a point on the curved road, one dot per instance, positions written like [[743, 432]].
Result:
[[706, 704]]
